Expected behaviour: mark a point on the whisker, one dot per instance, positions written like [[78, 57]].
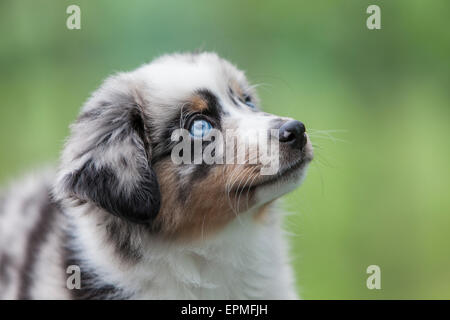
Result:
[[327, 134], [243, 187], [251, 184]]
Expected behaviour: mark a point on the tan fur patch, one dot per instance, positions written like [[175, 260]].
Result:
[[198, 104], [208, 207], [237, 89]]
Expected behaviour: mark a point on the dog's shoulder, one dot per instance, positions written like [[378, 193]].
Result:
[[28, 220]]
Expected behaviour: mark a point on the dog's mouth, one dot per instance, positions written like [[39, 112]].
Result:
[[284, 174]]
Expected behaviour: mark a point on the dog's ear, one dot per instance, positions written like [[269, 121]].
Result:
[[107, 159]]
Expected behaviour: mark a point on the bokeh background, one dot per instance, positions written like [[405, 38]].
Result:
[[376, 104]]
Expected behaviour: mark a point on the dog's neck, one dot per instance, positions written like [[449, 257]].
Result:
[[244, 260]]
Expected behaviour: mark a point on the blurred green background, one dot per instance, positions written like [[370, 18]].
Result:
[[376, 104]]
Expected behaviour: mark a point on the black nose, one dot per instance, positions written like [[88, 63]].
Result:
[[293, 133]]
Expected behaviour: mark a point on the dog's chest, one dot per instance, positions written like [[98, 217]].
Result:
[[196, 277], [231, 268]]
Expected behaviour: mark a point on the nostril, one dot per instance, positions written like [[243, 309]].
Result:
[[286, 136], [293, 132]]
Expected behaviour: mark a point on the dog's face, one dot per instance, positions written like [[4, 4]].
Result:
[[122, 154]]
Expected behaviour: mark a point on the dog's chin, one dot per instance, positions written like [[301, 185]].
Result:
[[288, 178]]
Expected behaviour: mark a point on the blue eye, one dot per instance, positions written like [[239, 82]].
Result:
[[200, 128], [250, 104], [248, 101]]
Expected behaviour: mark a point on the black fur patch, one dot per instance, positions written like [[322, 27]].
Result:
[[163, 148], [200, 172], [231, 95], [35, 241], [5, 261], [214, 109], [101, 186], [137, 124], [120, 233]]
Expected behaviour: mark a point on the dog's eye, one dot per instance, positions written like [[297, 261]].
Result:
[[248, 101], [200, 128]]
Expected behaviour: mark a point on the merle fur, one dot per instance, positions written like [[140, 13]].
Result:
[[37, 238], [99, 183]]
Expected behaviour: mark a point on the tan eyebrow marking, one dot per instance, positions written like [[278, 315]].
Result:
[[234, 85], [198, 104]]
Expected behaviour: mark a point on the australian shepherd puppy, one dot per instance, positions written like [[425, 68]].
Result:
[[124, 218]]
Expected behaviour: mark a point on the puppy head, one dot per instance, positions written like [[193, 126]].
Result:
[[120, 155]]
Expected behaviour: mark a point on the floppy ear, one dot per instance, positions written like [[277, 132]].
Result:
[[107, 159]]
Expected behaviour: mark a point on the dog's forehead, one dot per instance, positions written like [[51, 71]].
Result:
[[176, 77]]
